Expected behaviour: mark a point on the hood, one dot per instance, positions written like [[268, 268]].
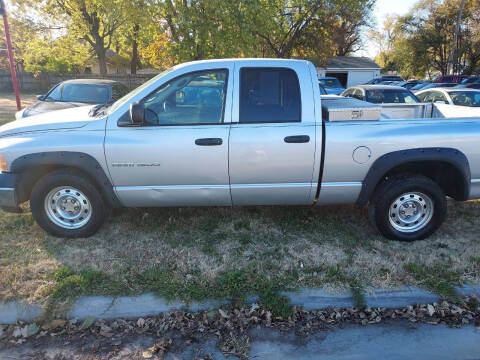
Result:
[[40, 107], [57, 120]]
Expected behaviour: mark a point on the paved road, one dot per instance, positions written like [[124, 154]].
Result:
[[399, 340]]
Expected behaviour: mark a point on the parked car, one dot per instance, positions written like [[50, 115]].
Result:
[[452, 96], [384, 78], [262, 136], [331, 85], [471, 80], [432, 86], [411, 84], [450, 79], [469, 86], [381, 94], [74, 93]]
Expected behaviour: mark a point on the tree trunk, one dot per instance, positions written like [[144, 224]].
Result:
[[134, 60], [102, 62]]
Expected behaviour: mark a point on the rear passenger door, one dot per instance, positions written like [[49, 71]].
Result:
[[272, 137]]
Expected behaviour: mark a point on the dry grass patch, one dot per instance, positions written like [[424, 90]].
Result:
[[188, 252], [8, 106]]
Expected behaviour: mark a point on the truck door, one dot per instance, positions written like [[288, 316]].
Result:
[[180, 155], [272, 137]]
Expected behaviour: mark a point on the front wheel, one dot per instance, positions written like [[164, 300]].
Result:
[[408, 208], [65, 204]]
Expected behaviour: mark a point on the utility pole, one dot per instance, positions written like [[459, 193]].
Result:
[[3, 13], [454, 44]]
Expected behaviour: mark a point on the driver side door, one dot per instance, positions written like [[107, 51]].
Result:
[[179, 157]]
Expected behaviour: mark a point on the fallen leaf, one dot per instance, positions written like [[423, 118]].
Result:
[[254, 307], [30, 330], [141, 322], [147, 354], [87, 323], [17, 332], [54, 324], [224, 314]]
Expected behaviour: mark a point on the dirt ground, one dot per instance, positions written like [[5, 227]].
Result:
[[8, 105]]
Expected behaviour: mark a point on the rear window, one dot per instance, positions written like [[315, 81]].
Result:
[[333, 83], [466, 98], [387, 96], [269, 95], [85, 93]]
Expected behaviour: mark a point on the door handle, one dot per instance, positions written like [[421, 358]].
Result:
[[209, 142], [297, 139]]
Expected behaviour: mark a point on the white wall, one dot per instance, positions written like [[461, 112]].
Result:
[[358, 77], [355, 77]]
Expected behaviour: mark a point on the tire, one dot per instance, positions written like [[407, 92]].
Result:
[[408, 208], [66, 204]]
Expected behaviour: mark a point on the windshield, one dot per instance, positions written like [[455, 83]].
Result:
[[387, 96], [466, 98], [134, 92], [330, 83], [82, 93]]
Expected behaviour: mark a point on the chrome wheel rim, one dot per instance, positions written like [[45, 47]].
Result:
[[411, 212], [68, 207]]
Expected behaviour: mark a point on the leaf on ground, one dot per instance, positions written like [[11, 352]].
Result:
[[147, 354], [141, 322], [87, 323], [224, 314], [30, 330], [54, 324]]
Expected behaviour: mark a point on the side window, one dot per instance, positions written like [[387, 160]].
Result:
[[423, 97], [269, 95], [358, 94], [190, 99], [437, 96], [55, 94]]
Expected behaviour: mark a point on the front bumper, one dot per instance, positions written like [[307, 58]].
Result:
[[8, 194]]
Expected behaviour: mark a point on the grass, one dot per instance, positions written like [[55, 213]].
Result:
[[199, 253]]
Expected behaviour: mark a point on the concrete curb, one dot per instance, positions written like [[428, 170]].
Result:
[[109, 307]]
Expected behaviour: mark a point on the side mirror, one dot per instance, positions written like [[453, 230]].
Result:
[[440, 102], [41, 97], [137, 114]]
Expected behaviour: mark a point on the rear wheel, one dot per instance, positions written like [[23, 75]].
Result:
[[408, 208], [65, 204]]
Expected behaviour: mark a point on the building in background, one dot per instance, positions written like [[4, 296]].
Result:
[[349, 70]]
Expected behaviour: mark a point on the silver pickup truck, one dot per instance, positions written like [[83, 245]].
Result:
[[237, 132]]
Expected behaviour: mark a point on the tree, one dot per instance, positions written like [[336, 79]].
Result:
[[423, 39]]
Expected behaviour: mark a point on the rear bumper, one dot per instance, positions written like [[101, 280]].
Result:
[[8, 194]]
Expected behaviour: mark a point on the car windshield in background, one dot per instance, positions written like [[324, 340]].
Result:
[[390, 96], [322, 90], [330, 83], [466, 98], [82, 93]]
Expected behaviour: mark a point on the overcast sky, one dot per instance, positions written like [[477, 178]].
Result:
[[384, 8]]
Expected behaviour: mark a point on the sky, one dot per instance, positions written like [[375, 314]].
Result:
[[384, 8]]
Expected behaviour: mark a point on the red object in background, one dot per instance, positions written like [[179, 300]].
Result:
[[3, 12]]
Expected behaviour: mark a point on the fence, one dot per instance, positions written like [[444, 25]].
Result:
[[43, 82]]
